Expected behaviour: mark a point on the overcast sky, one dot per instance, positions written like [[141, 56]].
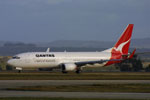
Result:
[[49, 20]]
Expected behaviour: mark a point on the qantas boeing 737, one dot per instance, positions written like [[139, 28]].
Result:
[[74, 61]]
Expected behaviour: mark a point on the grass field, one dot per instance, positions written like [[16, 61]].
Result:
[[27, 98], [74, 76], [134, 88]]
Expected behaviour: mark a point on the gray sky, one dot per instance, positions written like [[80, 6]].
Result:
[[49, 20]]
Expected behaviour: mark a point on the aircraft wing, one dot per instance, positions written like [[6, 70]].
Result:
[[103, 61], [95, 62]]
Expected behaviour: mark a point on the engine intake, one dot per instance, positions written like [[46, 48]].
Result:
[[69, 67]]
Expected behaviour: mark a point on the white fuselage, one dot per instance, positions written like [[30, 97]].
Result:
[[54, 59]]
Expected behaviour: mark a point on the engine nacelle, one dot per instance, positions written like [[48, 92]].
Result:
[[69, 67]]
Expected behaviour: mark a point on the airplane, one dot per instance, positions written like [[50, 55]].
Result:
[[75, 61]]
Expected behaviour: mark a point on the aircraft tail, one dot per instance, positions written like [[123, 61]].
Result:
[[122, 45]]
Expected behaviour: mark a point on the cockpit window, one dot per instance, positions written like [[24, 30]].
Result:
[[16, 57]]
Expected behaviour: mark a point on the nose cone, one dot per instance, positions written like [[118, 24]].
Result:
[[10, 62]]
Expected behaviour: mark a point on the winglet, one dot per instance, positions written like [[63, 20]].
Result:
[[132, 54]]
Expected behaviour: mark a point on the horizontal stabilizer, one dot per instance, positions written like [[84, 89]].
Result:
[[132, 54]]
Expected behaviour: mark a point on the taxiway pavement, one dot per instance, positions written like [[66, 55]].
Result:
[[19, 83]]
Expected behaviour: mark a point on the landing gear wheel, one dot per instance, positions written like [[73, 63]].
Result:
[[78, 70], [19, 71], [64, 72]]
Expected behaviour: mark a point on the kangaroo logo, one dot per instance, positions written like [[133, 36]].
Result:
[[119, 48]]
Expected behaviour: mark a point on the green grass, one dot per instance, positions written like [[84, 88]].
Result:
[[74, 76], [134, 88], [31, 98]]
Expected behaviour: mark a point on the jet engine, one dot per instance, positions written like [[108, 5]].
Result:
[[68, 67]]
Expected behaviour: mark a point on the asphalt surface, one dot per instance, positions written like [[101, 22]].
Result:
[[19, 83], [74, 94]]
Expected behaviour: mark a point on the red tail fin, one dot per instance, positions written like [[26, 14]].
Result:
[[123, 43]]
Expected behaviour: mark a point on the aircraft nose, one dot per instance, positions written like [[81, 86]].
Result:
[[10, 62]]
